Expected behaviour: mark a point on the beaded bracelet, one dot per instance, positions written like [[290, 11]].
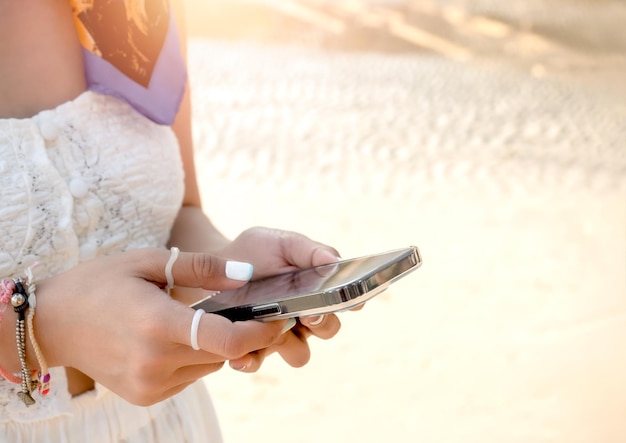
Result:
[[6, 292], [43, 376], [19, 300], [22, 298]]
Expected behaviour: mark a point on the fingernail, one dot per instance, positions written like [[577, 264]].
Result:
[[236, 270], [238, 368], [314, 321], [290, 324]]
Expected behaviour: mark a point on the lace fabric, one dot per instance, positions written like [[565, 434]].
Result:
[[106, 418], [88, 178]]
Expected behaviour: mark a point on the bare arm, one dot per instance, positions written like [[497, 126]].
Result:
[[192, 231], [270, 251]]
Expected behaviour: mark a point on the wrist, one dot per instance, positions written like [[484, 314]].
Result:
[[20, 295]]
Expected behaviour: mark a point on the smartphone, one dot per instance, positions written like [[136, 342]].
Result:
[[313, 291]]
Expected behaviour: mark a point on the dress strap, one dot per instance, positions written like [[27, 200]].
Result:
[[133, 52]]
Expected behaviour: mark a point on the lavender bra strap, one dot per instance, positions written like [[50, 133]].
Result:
[[143, 67]]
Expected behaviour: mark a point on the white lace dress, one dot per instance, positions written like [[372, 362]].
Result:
[[89, 178]]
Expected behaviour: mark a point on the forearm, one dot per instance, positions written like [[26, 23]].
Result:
[[192, 231]]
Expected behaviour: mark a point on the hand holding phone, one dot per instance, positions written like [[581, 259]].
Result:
[[314, 291]]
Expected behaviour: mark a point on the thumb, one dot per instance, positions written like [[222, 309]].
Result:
[[303, 252], [194, 270]]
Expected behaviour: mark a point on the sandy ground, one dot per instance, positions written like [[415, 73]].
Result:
[[513, 185]]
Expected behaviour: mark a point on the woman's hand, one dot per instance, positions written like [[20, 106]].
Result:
[[272, 252], [110, 319]]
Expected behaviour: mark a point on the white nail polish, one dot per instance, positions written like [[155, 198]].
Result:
[[290, 324], [236, 270], [317, 321]]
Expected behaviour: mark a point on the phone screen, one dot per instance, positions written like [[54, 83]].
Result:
[[299, 283]]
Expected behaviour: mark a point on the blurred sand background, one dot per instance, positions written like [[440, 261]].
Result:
[[492, 135]]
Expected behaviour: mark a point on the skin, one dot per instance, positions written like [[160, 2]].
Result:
[[126, 333]]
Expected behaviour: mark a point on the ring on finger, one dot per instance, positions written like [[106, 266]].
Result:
[[169, 278], [195, 323]]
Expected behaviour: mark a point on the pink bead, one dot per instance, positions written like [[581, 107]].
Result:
[[6, 290]]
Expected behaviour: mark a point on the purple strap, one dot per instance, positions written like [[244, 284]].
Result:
[[155, 88]]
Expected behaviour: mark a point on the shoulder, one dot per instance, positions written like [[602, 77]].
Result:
[[35, 35]]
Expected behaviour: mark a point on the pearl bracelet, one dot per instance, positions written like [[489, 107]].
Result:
[[19, 300], [23, 298], [43, 376]]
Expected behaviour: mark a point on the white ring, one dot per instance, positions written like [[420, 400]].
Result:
[[195, 323], [168, 267]]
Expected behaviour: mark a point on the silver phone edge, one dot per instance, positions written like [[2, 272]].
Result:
[[355, 293]]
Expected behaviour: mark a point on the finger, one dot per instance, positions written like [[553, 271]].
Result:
[[172, 391], [195, 270], [220, 336], [325, 327], [191, 373], [303, 252], [294, 349], [181, 355], [150, 390], [251, 362]]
